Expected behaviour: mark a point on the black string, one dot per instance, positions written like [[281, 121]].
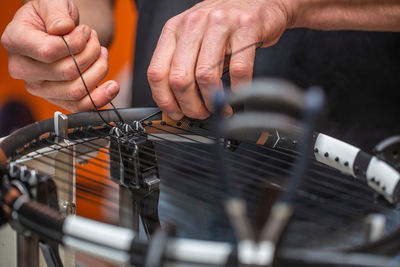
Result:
[[239, 163], [117, 112], [291, 154], [202, 189], [175, 145], [356, 198], [181, 189], [87, 90]]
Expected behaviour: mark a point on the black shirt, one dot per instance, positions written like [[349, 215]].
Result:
[[152, 16], [359, 71]]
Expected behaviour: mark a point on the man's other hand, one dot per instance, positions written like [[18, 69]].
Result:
[[187, 64]]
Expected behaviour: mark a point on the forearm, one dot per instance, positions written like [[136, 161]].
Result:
[[372, 15], [97, 14]]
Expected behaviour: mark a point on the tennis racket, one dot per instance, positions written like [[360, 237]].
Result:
[[182, 200]]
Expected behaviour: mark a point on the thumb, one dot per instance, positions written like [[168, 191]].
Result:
[[59, 16]]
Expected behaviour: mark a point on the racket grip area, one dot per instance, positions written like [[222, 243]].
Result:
[[379, 175]]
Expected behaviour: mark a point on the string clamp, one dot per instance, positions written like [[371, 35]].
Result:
[[115, 131], [138, 127], [127, 129], [133, 159], [61, 129]]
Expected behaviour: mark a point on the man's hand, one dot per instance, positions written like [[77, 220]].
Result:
[[193, 45], [38, 55]]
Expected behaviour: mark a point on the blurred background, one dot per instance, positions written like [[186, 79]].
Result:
[[18, 107]]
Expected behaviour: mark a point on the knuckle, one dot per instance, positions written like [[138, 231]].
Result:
[[5, 40], [178, 80], [170, 25], [92, 48], [240, 70], [76, 93], [218, 16], [156, 74], [205, 76], [80, 42], [247, 20], [97, 47], [32, 88], [69, 72], [14, 69], [47, 53], [9, 36], [164, 103], [103, 68], [192, 18]]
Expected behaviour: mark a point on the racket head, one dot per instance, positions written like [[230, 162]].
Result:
[[330, 206]]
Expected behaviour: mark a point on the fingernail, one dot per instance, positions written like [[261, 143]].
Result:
[[61, 26], [111, 90], [104, 51], [59, 23], [95, 33], [86, 31]]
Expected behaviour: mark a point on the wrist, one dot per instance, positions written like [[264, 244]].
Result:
[[291, 10], [298, 12]]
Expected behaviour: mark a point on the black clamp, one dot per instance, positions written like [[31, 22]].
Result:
[[133, 161], [133, 165]]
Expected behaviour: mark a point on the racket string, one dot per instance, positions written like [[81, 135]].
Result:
[[181, 188], [95, 144], [176, 145], [246, 166]]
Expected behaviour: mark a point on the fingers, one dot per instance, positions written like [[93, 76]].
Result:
[[72, 90], [22, 67], [181, 77], [158, 73], [60, 16], [28, 35], [48, 48], [39, 55], [243, 43], [195, 53], [101, 96], [211, 57]]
